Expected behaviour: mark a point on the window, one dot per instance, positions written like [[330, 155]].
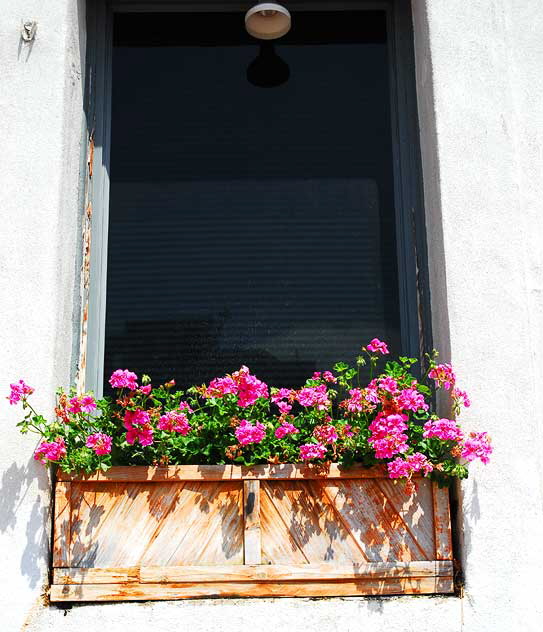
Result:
[[237, 224]]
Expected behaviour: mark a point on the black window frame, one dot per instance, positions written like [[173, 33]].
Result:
[[413, 283]]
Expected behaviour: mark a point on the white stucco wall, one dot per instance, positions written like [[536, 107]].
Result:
[[479, 85]]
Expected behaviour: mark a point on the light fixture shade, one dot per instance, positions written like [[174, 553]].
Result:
[[267, 21]]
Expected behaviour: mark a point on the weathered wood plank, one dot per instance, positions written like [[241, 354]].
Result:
[[310, 520], [250, 573], [62, 525], [137, 473], [290, 572], [379, 529], [442, 523], [134, 592], [96, 575], [252, 538]]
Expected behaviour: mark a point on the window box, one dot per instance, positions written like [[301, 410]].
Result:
[[140, 533]]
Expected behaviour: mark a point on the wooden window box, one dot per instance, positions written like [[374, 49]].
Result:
[[222, 531]]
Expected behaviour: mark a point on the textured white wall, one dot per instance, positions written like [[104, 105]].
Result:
[[40, 131], [479, 84]]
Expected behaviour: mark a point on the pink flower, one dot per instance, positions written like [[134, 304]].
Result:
[[377, 346], [328, 376], [387, 435], [325, 434], [278, 399], [50, 451], [461, 397], [250, 388], [18, 391], [185, 406], [444, 429], [314, 396], [74, 405], [411, 399], [88, 404], [138, 426], [477, 446], [443, 375], [388, 384], [247, 433], [145, 389], [136, 418], [285, 429], [247, 387], [124, 379], [174, 422], [316, 375], [312, 451], [221, 386], [83, 403], [143, 434], [99, 442], [400, 468]]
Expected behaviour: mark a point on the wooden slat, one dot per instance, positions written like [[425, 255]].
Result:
[[62, 525], [249, 573], [442, 523], [291, 572], [135, 592], [96, 575], [252, 540], [137, 473]]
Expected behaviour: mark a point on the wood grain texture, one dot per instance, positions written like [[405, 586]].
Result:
[[250, 573], [291, 531], [137, 473], [442, 523], [62, 525], [252, 538], [144, 592]]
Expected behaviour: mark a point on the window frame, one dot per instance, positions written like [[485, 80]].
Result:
[[411, 247]]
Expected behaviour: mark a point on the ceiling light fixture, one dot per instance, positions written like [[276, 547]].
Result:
[[267, 21]]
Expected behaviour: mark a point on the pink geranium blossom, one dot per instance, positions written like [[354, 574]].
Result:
[[411, 399], [477, 446], [461, 397], [377, 346], [146, 389], [325, 434], [388, 384], [279, 398], [388, 436], [50, 451], [124, 379], [138, 426], [312, 451], [328, 376], [443, 375], [18, 391], [185, 406], [247, 433], [314, 396], [100, 443], [285, 429], [247, 387], [404, 468], [444, 429], [174, 422]]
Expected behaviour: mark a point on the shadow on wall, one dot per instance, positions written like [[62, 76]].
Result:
[[17, 483]]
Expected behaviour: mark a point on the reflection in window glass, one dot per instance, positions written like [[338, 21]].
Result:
[[249, 225]]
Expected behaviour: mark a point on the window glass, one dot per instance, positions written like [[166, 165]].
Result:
[[249, 225]]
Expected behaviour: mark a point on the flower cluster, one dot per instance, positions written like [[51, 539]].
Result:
[[247, 433], [237, 418]]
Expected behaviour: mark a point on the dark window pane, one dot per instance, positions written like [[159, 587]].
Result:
[[249, 225]]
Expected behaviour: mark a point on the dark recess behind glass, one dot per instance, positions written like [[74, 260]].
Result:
[[248, 225]]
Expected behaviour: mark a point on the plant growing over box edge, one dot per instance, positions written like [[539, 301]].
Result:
[[240, 419]]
